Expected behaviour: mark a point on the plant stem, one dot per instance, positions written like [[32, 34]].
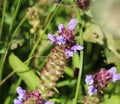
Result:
[[17, 28], [6, 78], [14, 15], [2, 20], [41, 35], [81, 57]]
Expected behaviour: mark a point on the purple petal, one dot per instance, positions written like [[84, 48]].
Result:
[[48, 102], [16, 101], [89, 80], [77, 47], [22, 93], [52, 38], [92, 90], [115, 77], [69, 53], [60, 40], [60, 27], [112, 70], [72, 24]]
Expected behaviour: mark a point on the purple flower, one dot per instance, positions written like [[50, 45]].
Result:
[[72, 24], [77, 47], [115, 77], [60, 27], [22, 93], [48, 102], [69, 53], [21, 97], [17, 101], [89, 79], [60, 40], [52, 38], [92, 90]]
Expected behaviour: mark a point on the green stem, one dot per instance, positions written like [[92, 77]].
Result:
[[3, 15], [81, 57], [41, 35], [17, 28], [6, 78], [3, 57], [15, 14]]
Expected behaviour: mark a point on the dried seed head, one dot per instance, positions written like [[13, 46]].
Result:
[[91, 100], [83, 4], [52, 71]]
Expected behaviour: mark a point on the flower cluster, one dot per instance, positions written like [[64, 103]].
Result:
[[100, 80], [33, 97], [66, 38]]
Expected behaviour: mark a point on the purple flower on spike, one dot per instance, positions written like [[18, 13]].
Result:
[[101, 79], [69, 53], [60, 40], [60, 27], [21, 96], [72, 24], [89, 79], [92, 90], [22, 93], [66, 38], [17, 101], [52, 38], [77, 47], [115, 77], [48, 102]]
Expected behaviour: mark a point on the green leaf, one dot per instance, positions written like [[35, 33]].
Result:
[[93, 34], [114, 99], [69, 71], [88, 13], [76, 61], [15, 43], [113, 51], [27, 75]]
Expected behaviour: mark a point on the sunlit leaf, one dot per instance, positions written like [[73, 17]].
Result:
[[93, 34], [114, 99], [27, 75]]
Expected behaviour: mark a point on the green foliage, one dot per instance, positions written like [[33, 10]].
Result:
[[24, 46], [113, 99], [24, 72]]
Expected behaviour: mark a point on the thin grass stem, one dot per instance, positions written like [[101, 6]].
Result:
[[3, 16], [81, 56], [15, 14]]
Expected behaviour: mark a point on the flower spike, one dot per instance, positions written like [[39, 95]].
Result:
[[101, 79]]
